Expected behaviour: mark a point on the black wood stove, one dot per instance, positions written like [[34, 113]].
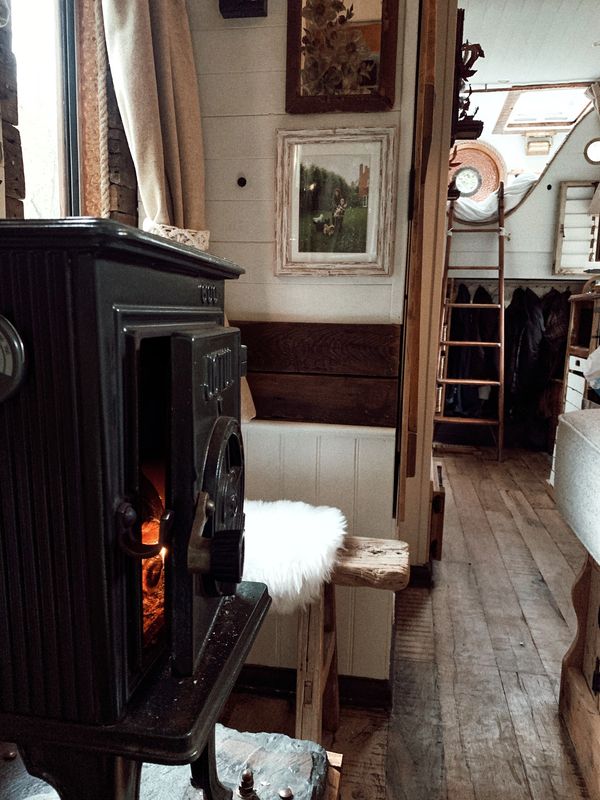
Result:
[[123, 625]]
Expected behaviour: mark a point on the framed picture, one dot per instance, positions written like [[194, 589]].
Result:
[[341, 55], [334, 201]]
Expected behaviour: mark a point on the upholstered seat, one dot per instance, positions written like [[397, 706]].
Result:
[[577, 480]]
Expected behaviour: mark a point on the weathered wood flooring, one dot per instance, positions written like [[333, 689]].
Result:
[[477, 657], [482, 650]]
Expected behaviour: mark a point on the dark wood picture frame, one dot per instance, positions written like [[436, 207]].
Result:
[[381, 99]]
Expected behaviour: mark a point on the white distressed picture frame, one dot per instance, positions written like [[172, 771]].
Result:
[[346, 149]]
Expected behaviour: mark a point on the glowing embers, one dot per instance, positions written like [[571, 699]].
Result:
[[153, 568]]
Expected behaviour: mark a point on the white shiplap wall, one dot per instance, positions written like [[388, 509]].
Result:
[[241, 70], [350, 467]]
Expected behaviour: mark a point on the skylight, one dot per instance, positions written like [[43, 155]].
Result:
[[545, 108]]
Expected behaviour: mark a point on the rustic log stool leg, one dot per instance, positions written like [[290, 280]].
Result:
[[365, 561], [204, 774], [79, 774], [331, 690], [309, 674]]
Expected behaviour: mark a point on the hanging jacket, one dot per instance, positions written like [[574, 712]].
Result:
[[555, 308], [524, 330]]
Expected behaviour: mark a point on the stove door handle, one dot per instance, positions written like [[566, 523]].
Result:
[[126, 519], [199, 547]]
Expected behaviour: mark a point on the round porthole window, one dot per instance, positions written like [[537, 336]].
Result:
[[468, 181], [592, 151]]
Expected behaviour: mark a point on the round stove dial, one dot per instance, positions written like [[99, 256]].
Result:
[[12, 359]]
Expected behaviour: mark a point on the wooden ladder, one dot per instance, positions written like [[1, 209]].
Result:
[[445, 342]]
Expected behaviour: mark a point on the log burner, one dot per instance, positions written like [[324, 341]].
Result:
[[121, 505]]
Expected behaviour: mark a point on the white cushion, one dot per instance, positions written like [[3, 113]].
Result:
[[291, 546]]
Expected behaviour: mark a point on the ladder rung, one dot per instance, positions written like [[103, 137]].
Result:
[[469, 344], [473, 305], [468, 381], [476, 230], [466, 268], [466, 420]]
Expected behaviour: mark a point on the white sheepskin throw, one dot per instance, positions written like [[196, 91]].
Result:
[[291, 546]]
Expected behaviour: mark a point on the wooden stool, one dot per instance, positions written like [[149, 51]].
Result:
[[365, 561]]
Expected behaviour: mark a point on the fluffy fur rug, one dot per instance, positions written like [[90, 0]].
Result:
[[291, 546]]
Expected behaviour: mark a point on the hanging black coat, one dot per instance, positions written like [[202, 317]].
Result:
[[524, 331]]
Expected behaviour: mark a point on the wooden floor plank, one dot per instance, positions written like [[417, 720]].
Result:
[[455, 547], [488, 737], [510, 636], [457, 775], [556, 571], [543, 740], [415, 761], [568, 544]]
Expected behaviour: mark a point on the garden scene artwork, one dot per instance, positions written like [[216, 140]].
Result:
[[334, 204], [334, 201]]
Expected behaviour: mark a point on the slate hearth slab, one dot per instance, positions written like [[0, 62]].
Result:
[[276, 760]]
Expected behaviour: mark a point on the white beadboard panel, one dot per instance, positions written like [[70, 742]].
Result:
[[300, 466], [241, 50], [308, 302], [336, 474], [243, 221], [221, 177], [373, 621], [205, 16], [348, 467], [242, 94], [374, 486], [262, 450]]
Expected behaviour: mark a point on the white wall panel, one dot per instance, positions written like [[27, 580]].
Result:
[[241, 68], [245, 221], [246, 49], [348, 467], [242, 94], [221, 175], [307, 302]]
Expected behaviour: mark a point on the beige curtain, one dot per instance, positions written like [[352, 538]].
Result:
[[152, 64]]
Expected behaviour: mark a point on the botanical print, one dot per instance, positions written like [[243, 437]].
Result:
[[339, 52], [333, 204]]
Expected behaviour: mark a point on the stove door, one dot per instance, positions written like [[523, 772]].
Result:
[[205, 486]]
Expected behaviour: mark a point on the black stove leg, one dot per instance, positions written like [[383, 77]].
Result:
[[82, 775], [204, 774]]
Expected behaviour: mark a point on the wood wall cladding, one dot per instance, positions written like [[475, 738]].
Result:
[[345, 374], [11, 140]]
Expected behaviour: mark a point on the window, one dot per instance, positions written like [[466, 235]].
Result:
[[42, 36], [592, 151], [577, 240], [542, 109]]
